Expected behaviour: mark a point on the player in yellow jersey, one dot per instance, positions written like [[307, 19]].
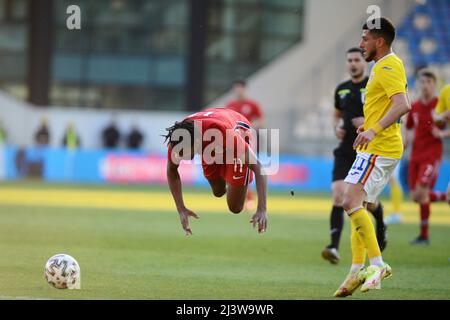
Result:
[[443, 107], [442, 115], [379, 149]]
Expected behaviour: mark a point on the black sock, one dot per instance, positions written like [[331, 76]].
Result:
[[379, 215], [336, 225]]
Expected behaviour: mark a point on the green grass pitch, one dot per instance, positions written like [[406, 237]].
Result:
[[136, 254]]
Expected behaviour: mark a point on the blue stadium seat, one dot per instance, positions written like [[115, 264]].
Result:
[[439, 30], [421, 9]]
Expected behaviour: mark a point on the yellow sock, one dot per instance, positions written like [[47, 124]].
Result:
[[365, 229], [396, 196], [358, 248]]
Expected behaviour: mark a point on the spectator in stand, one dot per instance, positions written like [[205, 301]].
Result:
[[42, 135], [111, 135], [134, 138], [71, 140]]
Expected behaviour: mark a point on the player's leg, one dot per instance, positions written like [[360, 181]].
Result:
[[218, 186], [359, 258], [237, 178], [236, 197], [354, 196], [421, 196], [331, 253], [413, 174], [436, 196], [213, 173], [341, 166], [337, 213], [366, 180], [377, 211], [374, 180], [396, 193], [356, 276], [427, 174], [378, 269]]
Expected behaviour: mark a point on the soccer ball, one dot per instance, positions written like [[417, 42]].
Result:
[[63, 272]]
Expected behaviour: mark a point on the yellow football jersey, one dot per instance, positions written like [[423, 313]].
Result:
[[444, 100], [387, 78]]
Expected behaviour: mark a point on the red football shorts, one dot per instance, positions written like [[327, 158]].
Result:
[[423, 173], [234, 174]]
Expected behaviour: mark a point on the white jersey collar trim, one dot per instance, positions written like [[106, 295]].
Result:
[[389, 54]]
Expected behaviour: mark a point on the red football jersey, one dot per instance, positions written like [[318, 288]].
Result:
[[225, 120], [233, 127], [248, 108], [425, 146]]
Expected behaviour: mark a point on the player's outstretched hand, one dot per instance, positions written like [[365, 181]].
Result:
[[363, 139], [260, 218], [184, 219]]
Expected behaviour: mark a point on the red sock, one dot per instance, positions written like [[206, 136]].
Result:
[[437, 196], [424, 215]]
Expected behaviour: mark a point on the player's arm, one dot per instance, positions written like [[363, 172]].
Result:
[[407, 136], [338, 121], [174, 180], [400, 106], [441, 134], [260, 217], [407, 130], [358, 122], [338, 124], [441, 118]]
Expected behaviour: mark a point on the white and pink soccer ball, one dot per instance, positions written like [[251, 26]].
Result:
[[63, 272]]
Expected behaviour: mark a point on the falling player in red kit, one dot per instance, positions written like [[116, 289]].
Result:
[[426, 152], [249, 109], [223, 138]]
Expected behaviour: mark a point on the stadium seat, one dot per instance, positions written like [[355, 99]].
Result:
[[426, 30]]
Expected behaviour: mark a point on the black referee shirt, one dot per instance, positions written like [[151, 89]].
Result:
[[349, 99]]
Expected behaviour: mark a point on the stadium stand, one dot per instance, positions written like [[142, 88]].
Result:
[[426, 31]]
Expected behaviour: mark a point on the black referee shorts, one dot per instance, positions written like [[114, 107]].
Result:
[[343, 161]]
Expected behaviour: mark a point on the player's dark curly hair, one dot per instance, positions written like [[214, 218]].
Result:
[[185, 124]]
